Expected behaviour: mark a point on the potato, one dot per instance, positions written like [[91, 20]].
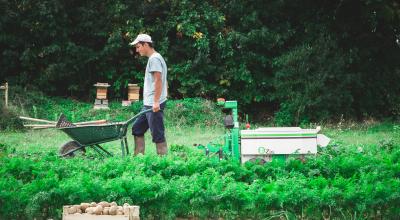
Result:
[[113, 210], [113, 204], [106, 211], [104, 204], [98, 210], [93, 204], [90, 210], [84, 206]]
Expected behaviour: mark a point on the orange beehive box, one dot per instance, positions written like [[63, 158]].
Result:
[[101, 92], [133, 92]]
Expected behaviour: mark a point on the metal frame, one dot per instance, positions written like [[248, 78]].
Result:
[[96, 145], [231, 145]]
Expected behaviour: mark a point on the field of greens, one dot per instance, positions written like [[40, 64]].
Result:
[[333, 64], [356, 177]]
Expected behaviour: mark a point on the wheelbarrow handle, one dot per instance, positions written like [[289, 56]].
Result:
[[131, 120]]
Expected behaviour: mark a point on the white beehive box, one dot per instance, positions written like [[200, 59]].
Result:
[[132, 215], [266, 142]]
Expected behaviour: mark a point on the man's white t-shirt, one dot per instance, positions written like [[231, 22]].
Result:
[[156, 63]]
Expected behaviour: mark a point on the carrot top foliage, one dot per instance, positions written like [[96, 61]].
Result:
[[338, 183]]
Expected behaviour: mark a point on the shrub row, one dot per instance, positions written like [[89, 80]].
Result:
[[184, 112]]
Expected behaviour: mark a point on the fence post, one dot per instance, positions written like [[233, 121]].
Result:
[[5, 87], [6, 94]]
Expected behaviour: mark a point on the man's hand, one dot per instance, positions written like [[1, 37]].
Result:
[[156, 107]]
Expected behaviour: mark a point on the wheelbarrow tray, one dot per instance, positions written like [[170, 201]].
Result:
[[96, 134]]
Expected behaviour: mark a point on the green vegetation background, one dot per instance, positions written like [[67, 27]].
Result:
[[286, 62], [299, 61], [356, 177]]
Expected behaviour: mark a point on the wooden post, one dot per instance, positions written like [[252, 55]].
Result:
[[6, 94], [5, 87]]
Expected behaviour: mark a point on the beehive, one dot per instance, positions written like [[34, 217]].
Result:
[[101, 92], [133, 92]]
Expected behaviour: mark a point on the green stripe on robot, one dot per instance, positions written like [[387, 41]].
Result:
[[277, 135]]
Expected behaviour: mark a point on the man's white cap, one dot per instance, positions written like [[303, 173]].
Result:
[[141, 38]]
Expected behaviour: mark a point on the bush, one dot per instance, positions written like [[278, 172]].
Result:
[[185, 112], [193, 111], [213, 48], [9, 118], [5, 149], [310, 88]]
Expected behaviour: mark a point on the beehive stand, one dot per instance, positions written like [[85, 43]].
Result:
[[101, 101]]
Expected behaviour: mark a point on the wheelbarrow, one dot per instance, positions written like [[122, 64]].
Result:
[[92, 136]]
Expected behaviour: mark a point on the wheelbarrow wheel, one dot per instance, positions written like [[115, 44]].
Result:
[[69, 146]]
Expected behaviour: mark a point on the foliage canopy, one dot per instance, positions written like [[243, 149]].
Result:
[[306, 60]]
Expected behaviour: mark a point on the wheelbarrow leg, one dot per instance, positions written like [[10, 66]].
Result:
[[104, 150], [97, 150], [122, 148], [126, 146]]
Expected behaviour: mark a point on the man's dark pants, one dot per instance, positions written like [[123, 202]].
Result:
[[152, 120]]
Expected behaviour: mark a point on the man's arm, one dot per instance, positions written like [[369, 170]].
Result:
[[157, 91]]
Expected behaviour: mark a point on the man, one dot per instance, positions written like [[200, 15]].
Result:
[[154, 97]]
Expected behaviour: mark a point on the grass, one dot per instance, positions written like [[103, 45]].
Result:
[[357, 133], [188, 121], [364, 134], [50, 140], [186, 183]]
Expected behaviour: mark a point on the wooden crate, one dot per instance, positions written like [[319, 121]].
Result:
[[133, 215]]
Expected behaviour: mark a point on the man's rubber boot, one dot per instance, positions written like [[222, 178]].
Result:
[[139, 145], [162, 148]]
